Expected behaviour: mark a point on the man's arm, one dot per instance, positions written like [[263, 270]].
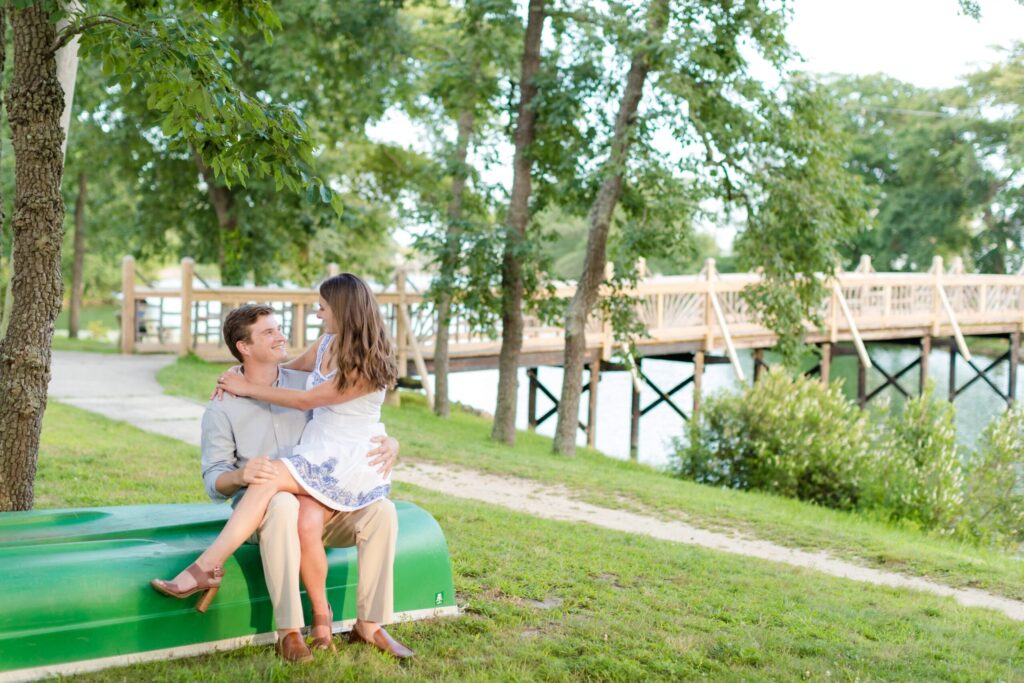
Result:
[[220, 462], [222, 476]]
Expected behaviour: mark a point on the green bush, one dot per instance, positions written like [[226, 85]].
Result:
[[994, 483], [794, 437], [917, 473], [788, 435]]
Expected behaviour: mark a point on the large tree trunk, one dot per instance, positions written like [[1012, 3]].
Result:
[[78, 267], [231, 253], [449, 262], [8, 276], [601, 211], [504, 429], [34, 103]]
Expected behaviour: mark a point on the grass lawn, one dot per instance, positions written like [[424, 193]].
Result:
[[547, 600], [103, 314], [464, 440]]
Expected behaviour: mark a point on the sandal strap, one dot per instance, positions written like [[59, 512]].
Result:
[[323, 619], [204, 578]]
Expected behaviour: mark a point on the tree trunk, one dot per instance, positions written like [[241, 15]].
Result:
[[8, 302], [231, 257], [34, 103], [504, 429], [77, 273], [597, 238], [449, 262]]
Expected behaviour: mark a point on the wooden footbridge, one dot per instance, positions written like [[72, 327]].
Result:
[[694, 319]]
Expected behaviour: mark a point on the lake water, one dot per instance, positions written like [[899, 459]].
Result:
[[974, 408]]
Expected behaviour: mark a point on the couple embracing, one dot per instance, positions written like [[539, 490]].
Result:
[[299, 484]]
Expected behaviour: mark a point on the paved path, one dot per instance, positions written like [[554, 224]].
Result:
[[125, 388]]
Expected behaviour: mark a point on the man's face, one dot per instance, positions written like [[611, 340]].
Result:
[[267, 344]]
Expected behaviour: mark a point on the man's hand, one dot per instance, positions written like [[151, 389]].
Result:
[[385, 454], [257, 471]]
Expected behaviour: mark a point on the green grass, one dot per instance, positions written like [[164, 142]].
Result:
[[102, 314], [464, 440], [88, 461], [546, 600], [106, 314]]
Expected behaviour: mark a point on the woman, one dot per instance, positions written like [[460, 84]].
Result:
[[350, 368]]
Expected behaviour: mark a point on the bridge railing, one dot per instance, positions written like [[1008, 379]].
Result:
[[707, 309]]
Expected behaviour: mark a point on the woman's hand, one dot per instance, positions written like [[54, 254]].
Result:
[[218, 392], [234, 383]]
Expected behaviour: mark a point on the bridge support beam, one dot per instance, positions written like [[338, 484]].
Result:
[[634, 416], [825, 366], [926, 350], [535, 385], [1014, 368], [1012, 358]]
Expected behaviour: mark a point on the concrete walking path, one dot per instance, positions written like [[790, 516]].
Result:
[[125, 388]]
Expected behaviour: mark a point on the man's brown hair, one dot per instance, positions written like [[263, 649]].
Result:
[[238, 325]]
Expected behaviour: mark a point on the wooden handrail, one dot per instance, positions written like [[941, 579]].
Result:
[[684, 311]]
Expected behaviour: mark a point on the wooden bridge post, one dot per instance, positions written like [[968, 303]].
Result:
[[595, 378], [187, 271], [128, 325], [401, 348], [299, 325], [952, 370], [634, 417], [531, 413], [1011, 389], [926, 350], [698, 380], [862, 383], [758, 363], [826, 362], [709, 310]]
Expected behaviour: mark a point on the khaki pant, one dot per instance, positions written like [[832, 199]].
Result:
[[373, 530]]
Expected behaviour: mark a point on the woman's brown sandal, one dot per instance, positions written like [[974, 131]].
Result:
[[206, 581]]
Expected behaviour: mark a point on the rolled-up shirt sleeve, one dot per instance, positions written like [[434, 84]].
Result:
[[218, 451]]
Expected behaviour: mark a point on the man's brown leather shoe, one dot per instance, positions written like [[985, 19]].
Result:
[[292, 648], [383, 641]]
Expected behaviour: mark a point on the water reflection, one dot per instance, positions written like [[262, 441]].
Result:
[[975, 407]]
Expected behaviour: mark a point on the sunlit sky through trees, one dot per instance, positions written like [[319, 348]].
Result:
[[928, 43]]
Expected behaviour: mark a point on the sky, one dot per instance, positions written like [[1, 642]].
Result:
[[925, 42]]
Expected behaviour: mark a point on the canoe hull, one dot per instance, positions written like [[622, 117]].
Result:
[[74, 591]]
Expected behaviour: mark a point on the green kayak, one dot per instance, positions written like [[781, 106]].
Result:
[[75, 594]]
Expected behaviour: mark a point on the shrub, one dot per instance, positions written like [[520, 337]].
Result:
[[918, 471], [994, 483], [787, 435]]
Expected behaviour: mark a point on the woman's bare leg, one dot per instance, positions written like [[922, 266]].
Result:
[[313, 565], [243, 522]]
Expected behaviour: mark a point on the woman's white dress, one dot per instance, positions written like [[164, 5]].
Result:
[[330, 461]]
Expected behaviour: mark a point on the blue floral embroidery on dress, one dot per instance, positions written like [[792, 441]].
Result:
[[320, 477]]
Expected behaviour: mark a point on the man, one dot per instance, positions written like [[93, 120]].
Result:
[[240, 437]]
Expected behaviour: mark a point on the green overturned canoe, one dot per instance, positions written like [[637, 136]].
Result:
[[75, 594]]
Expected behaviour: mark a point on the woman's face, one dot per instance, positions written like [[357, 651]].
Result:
[[324, 313]]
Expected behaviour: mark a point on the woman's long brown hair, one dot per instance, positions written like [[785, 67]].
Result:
[[362, 347]]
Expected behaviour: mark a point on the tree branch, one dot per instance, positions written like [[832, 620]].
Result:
[[74, 29]]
